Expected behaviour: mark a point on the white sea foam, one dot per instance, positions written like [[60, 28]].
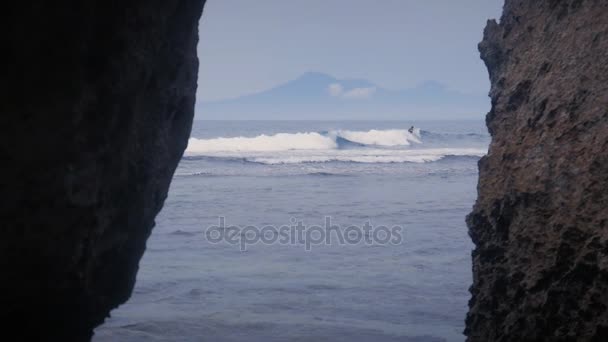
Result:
[[301, 141], [364, 156], [378, 146], [262, 143], [353, 155], [391, 137]]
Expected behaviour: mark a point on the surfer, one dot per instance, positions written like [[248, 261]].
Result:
[[411, 130]]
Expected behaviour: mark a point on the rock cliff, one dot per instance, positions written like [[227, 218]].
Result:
[[97, 101], [539, 225]]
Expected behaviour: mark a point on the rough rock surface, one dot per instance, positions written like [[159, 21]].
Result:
[[539, 225], [97, 103]]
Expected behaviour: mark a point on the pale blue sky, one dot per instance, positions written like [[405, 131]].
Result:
[[248, 46]]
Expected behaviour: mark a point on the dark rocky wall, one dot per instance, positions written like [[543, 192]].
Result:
[[539, 225], [96, 103]]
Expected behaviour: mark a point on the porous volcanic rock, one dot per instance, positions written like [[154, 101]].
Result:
[[540, 264], [97, 102]]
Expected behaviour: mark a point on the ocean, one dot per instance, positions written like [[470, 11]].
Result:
[[381, 252]]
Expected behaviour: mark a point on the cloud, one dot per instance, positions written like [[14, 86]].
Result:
[[337, 90], [359, 93]]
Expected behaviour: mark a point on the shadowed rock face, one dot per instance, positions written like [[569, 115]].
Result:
[[97, 101], [539, 225]]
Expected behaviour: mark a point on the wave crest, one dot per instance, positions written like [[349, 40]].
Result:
[[389, 138], [302, 141], [263, 143]]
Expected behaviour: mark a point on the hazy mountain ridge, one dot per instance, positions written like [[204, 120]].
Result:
[[320, 96]]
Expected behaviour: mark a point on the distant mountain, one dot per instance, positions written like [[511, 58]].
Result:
[[318, 96]]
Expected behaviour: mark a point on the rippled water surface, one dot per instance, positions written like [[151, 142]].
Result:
[[277, 173]]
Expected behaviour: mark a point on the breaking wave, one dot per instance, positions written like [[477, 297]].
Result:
[[373, 146], [391, 137], [303, 141], [262, 143]]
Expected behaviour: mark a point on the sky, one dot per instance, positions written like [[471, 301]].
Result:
[[249, 46]]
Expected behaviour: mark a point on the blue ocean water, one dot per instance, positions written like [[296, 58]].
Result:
[[275, 173]]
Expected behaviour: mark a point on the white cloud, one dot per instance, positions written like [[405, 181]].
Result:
[[337, 90], [359, 93]]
